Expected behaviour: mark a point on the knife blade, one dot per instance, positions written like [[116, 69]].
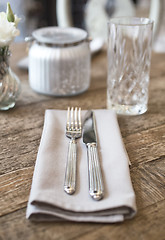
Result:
[[96, 190]]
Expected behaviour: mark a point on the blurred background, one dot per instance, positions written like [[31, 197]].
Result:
[[87, 14]]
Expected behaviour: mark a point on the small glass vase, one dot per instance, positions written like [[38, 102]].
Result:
[[9, 82]]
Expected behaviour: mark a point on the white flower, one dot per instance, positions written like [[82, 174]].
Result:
[[8, 30], [16, 20]]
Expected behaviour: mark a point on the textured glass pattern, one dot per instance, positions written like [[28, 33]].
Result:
[[9, 90], [9, 82], [129, 56]]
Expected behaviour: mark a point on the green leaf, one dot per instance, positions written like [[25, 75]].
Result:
[[9, 12]]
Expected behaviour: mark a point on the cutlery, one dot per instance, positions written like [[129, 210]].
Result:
[[73, 131], [96, 190]]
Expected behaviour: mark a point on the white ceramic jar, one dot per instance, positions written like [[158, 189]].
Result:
[[59, 61]]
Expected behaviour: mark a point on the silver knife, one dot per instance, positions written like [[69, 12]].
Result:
[[96, 190]]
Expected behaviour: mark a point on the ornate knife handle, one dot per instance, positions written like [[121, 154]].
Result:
[[70, 174], [95, 177]]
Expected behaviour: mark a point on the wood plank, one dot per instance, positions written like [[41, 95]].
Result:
[[147, 178], [146, 225], [146, 145], [143, 136], [14, 190], [148, 182], [15, 226]]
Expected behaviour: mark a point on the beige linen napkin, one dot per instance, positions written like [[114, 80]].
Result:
[[48, 201]]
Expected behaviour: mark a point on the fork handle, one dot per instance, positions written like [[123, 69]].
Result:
[[70, 174], [96, 190]]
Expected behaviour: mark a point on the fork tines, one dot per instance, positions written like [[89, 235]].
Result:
[[73, 131], [73, 119]]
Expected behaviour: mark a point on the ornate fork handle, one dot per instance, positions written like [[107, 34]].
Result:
[[70, 174], [73, 131]]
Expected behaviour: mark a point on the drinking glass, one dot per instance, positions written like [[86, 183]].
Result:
[[129, 58]]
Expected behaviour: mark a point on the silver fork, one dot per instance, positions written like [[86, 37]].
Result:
[[73, 131]]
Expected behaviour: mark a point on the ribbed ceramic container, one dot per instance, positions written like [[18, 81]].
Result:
[[59, 61]]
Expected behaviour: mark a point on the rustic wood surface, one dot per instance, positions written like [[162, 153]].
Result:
[[144, 138]]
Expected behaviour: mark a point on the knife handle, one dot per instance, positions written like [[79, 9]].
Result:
[[94, 170], [70, 174]]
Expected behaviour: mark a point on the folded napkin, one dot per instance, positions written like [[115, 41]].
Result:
[[48, 201]]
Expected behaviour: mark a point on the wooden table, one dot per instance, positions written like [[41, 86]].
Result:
[[144, 138]]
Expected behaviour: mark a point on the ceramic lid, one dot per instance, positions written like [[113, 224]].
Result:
[[59, 36]]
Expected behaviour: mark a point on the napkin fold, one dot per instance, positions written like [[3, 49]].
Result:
[[49, 202]]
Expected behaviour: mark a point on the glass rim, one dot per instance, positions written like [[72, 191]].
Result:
[[130, 21]]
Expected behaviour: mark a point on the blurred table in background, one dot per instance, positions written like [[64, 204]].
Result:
[[144, 138]]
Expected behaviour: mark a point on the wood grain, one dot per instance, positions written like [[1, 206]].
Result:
[[144, 139]]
